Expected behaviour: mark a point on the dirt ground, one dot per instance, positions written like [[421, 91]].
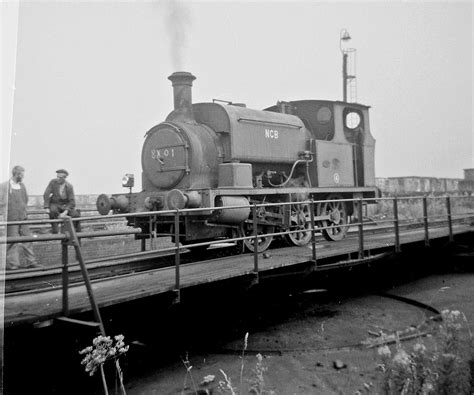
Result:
[[301, 351]]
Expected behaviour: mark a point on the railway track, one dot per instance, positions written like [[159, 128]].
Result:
[[37, 279], [31, 280]]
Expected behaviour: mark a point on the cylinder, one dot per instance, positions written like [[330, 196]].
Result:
[[231, 216]]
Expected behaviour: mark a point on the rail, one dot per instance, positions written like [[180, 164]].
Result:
[[434, 211]]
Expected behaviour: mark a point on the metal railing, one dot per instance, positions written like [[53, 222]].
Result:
[[69, 237]]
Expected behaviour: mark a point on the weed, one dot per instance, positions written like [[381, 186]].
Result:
[[225, 386], [188, 367], [104, 349], [242, 357], [445, 370], [258, 384]]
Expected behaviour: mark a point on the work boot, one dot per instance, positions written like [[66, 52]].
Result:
[[35, 265]]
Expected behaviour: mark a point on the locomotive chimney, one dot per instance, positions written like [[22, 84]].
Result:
[[182, 90]]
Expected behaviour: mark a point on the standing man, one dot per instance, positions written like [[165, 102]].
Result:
[[59, 200], [13, 195]]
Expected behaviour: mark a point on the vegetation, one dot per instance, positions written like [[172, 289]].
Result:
[[439, 365], [105, 349], [254, 385], [444, 370]]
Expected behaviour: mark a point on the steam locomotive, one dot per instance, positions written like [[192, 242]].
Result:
[[214, 155]]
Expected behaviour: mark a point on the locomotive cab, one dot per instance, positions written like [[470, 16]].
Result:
[[342, 141]]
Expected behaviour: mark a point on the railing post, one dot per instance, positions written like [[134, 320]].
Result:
[[450, 221], [177, 256], [361, 229], [150, 230], [74, 240], [425, 221], [154, 232], [395, 222], [313, 238], [255, 238], [65, 259]]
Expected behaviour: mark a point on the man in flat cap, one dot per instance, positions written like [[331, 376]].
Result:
[[60, 201], [14, 198]]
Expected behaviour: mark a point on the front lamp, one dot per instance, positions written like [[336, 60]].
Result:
[[128, 181]]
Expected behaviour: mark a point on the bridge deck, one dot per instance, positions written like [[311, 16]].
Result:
[[45, 304]]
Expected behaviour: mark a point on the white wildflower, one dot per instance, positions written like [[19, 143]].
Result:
[[102, 350], [402, 358], [384, 351], [455, 314], [427, 388], [208, 379], [419, 348]]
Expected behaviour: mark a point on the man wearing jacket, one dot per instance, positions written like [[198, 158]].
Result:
[[60, 201], [14, 198]]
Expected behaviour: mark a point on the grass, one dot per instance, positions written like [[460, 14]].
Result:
[[255, 384], [443, 368]]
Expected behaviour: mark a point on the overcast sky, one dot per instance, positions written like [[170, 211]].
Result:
[[91, 77]]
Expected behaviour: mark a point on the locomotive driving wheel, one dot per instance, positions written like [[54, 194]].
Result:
[[337, 212], [300, 218], [263, 242]]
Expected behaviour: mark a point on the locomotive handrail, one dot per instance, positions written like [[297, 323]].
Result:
[[266, 122]]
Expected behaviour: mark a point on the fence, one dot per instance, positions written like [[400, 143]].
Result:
[[430, 211]]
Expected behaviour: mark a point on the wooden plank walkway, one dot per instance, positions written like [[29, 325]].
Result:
[[30, 307]]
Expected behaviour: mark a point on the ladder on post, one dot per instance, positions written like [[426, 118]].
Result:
[[352, 75], [73, 240]]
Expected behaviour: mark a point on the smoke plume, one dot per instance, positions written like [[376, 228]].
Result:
[[178, 22]]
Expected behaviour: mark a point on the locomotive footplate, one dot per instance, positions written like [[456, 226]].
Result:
[[352, 192]]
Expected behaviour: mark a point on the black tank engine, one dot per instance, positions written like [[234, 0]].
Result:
[[214, 155]]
